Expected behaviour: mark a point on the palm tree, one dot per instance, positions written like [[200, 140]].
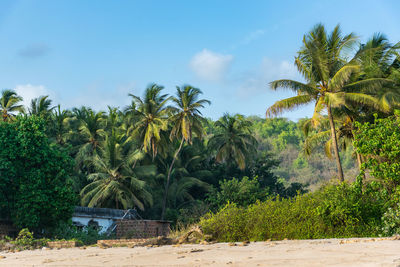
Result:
[[187, 177], [234, 143], [9, 104], [114, 183], [186, 121], [151, 118], [331, 81], [41, 106], [91, 131], [60, 124]]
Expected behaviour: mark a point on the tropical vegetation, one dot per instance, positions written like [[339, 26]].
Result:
[[240, 178]]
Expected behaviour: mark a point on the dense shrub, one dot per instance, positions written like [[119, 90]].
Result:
[[85, 236], [34, 192], [335, 211], [379, 143], [243, 192]]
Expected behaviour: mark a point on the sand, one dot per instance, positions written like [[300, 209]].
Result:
[[328, 252]]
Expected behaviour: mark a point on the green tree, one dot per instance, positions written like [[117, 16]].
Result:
[[41, 106], [151, 118], [114, 183], [59, 126], [9, 104], [233, 143], [330, 80], [33, 176], [242, 192], [91, 132], [379, 143], [186, 121]]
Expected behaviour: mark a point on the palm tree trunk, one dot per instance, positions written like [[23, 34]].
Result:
[[164, 205], [359, 160], [335, 145]]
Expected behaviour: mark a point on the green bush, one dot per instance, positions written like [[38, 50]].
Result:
[[243, 192], [379, 143], [335, 211], [86, 236], [25, 240]]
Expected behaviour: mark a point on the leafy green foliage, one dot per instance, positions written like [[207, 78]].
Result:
[[379, 143], [242, 192], [335, 211], [34, 176], [86, 235]]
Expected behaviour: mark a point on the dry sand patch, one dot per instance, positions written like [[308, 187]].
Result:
[[329, 252]]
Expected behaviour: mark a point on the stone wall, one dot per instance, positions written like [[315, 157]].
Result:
[[62, 244], [120, 242], [141, 228], [7, 229]]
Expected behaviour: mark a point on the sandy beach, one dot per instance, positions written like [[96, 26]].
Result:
[[329, 252]]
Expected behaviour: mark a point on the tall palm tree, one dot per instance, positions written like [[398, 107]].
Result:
[[9, 104], [234, 143], [114, 183], [151, 118], [186, 121], [60, 124], [187, 177], [91, 131], [330, 80], [41, 106]]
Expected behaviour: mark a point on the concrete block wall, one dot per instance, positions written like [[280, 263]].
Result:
[[141, 228]]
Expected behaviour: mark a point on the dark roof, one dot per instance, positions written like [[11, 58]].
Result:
[[105, 213]]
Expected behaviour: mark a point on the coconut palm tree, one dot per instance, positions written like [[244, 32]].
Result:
[[186, 121], [9, 104], [331, 81], [187, 177], [91, 132], [114, 183], [41, 106], [59, 125], [234, 143], [151, 118]]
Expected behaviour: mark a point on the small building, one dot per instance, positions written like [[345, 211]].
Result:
[[123, 223], [102, 218]]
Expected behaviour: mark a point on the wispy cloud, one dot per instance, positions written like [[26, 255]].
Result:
[[253, 36], [99, 98], [249, 38], [29, 92], [257, 80], [34, 50], [210, 66]]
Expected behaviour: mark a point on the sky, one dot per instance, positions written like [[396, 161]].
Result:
[[94, 53]]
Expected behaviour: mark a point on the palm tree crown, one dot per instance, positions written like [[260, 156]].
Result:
[[151, 116], [9, 104], [234, 143], [332, 82]]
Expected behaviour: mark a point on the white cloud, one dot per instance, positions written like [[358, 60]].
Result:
[[29, 92], [253, 36], [99, 98], [210, 66], [257, 81]]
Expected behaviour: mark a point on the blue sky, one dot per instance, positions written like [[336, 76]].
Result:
[[96, 52]]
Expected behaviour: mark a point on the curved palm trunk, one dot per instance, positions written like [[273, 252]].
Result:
[[164, 205], [335, 145]]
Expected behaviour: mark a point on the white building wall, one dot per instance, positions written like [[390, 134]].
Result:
[[103, 222]]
